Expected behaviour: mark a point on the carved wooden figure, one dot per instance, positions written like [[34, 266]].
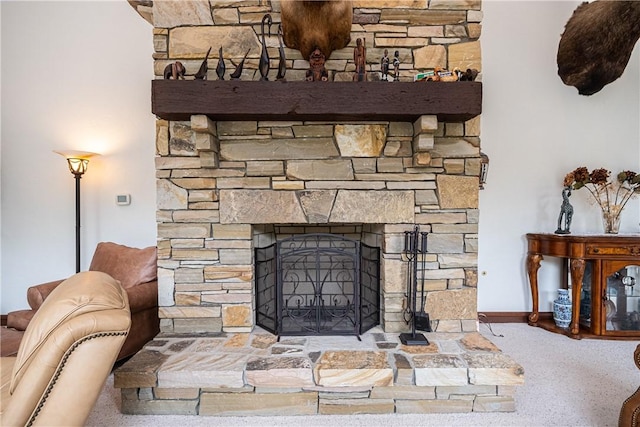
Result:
[[384, 65], [174, 71], [597, 43], [221, 67], [238, 71], [204, 67], [360, 59], [311, 24], [263, 65], [282, 63], [317, 72]]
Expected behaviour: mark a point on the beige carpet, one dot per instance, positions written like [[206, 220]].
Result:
[[567, 383]]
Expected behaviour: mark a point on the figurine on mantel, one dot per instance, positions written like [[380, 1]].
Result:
[[282, 64], [566, 213], [317, 72], [204, 67], [396, 66], [384, 66], [360, 60], [238, 71], [221, 67], [263, 65], [174, 71]]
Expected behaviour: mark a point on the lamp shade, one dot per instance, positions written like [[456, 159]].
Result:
[[77, 160]]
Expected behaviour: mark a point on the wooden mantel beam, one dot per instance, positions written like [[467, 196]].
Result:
[[315, 101]]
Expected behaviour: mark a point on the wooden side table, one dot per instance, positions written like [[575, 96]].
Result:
[[614, 249]]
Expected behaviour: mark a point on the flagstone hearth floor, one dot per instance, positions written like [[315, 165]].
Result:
[[255, 374]]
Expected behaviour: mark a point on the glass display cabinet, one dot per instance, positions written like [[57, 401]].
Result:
[[610, 300]]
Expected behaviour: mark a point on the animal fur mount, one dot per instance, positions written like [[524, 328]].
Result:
[[311, 24], [597, 43]]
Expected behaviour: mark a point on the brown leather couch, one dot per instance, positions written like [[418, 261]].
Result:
[[136, 269], [630, 412], [67, 352]]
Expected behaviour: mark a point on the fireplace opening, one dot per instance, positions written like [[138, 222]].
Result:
[[317, 284]]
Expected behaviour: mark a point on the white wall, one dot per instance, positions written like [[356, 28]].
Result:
[[535, 130], [64, 89], [75, 75]]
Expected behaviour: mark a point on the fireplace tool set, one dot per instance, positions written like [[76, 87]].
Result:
[[415, 251]]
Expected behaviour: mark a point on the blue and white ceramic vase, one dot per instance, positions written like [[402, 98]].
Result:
[[562, 309]]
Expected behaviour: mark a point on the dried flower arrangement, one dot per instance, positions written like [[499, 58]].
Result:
[[611, 196]]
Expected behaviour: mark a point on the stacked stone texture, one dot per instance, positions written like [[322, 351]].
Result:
[[221, 184]]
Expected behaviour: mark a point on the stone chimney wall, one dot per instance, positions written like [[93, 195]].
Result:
[[220, 183]]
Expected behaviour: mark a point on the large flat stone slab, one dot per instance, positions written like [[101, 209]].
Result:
[[267, 207], [493, 368], [279, 372], [353, 368], [373, 207], [202, 370], [439, 370]]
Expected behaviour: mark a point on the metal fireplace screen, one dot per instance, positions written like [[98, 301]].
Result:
[[318, 284]]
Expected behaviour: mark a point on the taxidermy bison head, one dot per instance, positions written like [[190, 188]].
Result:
[[311, 24], [597, 43]]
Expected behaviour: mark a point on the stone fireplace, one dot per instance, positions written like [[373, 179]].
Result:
[[224, 174], [245, 164]]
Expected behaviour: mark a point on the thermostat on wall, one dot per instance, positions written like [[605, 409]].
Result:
[[123, 199]]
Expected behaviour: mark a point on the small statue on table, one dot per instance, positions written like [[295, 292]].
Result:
[[384, 66], [566, 213], [360, 60]]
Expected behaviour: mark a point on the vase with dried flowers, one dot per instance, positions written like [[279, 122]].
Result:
[[610, 195]]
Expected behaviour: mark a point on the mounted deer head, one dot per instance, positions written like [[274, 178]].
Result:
[[597, 43], [311, 24]]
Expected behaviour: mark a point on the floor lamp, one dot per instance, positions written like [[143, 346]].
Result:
[[78, 162]]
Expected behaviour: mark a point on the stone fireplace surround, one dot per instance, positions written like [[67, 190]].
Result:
[[227, 184], [219, 175], [316, 177]]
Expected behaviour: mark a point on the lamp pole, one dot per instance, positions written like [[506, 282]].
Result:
[[77, 162], [77, 176]]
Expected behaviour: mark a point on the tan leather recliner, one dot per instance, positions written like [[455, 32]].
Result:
[[137, 271], [67, 352], [630, 412]]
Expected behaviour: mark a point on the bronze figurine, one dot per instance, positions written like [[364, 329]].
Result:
[[221, 67], [263, 66], [204, 67], [566, 213], [174, 71], [238, 71]]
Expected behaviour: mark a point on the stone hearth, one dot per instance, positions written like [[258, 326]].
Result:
[[255, 374]]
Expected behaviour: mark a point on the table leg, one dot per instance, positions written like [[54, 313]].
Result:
[[576, 267], [533, 264]]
